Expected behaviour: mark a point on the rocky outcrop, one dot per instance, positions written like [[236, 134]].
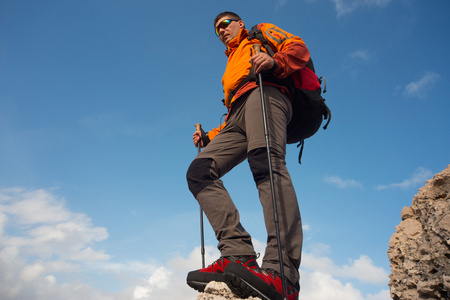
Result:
[[419, 250], [219, 291]]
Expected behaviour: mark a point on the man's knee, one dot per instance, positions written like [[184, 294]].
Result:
[[199, 175], [258, 161]]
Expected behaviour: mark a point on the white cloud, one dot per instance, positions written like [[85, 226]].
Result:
[[364, 270], [361, 54], [41, 240], [417, 178], [342, 183], [382, 295], [344, 7], [141, 292], [49, 258], [280, 3], [28, 272], [361, 269], [31, 272], [159, 280], [90, 254], [46, 228], [419, 88], [322, 286], [32, 207], [306, 227], [314, 263], [319, 249], [3, 220]]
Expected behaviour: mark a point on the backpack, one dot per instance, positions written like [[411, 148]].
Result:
[[308, 106]]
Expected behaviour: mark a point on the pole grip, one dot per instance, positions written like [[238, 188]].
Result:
[[256, 48], [198, 127]]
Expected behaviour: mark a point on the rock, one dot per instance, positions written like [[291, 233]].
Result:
[[219, 291], [419, 250], [407, 213]]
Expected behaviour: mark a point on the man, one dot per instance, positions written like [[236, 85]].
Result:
[[242, 137]]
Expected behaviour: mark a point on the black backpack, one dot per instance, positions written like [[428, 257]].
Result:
[[309, 108]]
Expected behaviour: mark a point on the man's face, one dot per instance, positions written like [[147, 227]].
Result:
[[231, 31]]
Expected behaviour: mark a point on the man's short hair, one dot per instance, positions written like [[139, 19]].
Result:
[[226, 14]]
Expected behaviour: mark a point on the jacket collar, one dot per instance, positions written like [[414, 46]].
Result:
[[234, 43]]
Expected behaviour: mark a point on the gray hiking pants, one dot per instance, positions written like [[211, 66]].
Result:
[[242, 138]]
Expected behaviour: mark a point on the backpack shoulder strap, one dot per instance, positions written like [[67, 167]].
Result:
[[255, 33], [250, 77]]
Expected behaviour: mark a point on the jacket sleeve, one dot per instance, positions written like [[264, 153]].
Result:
[[291, 53], [215, 131]]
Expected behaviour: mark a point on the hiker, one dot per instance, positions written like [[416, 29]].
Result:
[[242, 137]]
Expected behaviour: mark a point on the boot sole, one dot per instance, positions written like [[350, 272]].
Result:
[[244, 284], [199, 280], [198, 286]]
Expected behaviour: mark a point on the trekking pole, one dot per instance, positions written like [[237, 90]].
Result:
[[257, 49], [198, 127]]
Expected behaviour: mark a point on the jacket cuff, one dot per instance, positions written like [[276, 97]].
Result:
[[205, 138], [275, 66]]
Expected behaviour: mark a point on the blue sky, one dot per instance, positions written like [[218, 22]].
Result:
[[98, 101]]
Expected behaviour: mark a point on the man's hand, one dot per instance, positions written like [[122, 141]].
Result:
[[197, 138], [262, 61]]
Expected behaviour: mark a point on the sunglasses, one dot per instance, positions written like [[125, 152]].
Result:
[[224, 24]]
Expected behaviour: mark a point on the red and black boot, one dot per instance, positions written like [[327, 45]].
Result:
[[214, 272], [265, 284]]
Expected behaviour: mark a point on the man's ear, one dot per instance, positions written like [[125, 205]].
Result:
[[241, 24]]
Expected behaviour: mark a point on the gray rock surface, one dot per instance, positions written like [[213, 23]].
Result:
[[419, 250], [219, 291]]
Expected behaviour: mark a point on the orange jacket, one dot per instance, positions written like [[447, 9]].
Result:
[[291, 55]]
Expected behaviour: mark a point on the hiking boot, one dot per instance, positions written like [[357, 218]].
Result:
[[214, 272], [265, 284]]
